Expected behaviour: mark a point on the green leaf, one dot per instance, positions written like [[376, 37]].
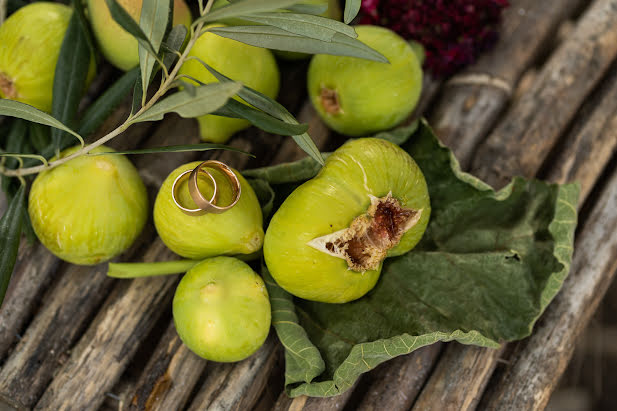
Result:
[[107, 102], [235, 109], [125, 21], [279, 39], [20, 110], [10, 232], [316, 27], [69, 79], [485, 270], [40, 137], [272, 107], [16, 140], [138, 270], [153, 22], [173, 43], [315, 9], [352, 7], [177, 149], [239, 8], [207, 99]]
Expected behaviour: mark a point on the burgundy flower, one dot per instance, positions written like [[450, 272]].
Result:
[[453, 32]]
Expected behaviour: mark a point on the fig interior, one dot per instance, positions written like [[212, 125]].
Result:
[[365, 243]]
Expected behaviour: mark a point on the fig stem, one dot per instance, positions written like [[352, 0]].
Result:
[[138, 270], [165, 86]]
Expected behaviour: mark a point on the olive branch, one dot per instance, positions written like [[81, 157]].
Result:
[[281, 27]]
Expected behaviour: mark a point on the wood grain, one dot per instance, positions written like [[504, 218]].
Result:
[[169, 376], [532, 127], [473, 100], [537, 363], [237, 386]]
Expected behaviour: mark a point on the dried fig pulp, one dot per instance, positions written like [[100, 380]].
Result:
[[236, 231], [221, 310], [329, 238]]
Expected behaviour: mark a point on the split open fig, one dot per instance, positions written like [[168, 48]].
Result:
[[328, 240]]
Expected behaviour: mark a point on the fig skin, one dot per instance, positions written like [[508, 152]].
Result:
[[252, 66], [221, 310], [236, 231], [359, 97], [118, 46], [30, 41], [90, 209], [329, 203]]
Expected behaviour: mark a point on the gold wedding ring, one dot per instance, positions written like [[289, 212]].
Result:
[[174, 193], [198, 197]]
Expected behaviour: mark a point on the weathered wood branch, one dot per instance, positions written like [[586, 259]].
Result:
[[533, 126], [473, 100], [237, 386]]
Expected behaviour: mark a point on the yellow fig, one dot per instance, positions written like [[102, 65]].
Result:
[[221, 310], [89, 209], [328, 240], [30, 41], [252, 66], [236, 231], [118, 46]]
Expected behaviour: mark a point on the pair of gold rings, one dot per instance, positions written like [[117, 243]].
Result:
[[204, 205]]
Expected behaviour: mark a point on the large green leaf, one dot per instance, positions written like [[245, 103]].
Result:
[[238, 8], [486, 268]]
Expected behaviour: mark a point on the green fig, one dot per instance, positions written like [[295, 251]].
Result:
[[118, 46], [329, 238], [30, 41], [89, 209], [358, 97], [252, 66], [221, 310], [236, 231]]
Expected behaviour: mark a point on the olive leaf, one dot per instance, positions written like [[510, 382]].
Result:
[[279, 39], [239, 8], [316, 27], [10, 232], [124, 19], [173, 44], [272, 107], [24, 111], [352, 7], [102, 107], [206, 99], [485, 270], [235, 109], [177, 149], [315, 9], [153, 22], [69, 79]]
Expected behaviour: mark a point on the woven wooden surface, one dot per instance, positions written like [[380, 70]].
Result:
[[543, 103]]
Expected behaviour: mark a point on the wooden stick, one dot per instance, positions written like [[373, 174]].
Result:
[[467, 110], [397, 383], [538, 362], [237, 386], [169, 376], [533, 126]]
